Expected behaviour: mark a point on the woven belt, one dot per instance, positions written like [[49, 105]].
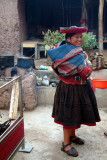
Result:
[[80, 79], [74, 80]]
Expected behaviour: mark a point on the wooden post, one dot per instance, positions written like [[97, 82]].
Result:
[[84, 14], [14, 100], [36, 51], [101, 5], [21, 49], [20, 98]]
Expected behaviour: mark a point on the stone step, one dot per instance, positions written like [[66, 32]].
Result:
[[102, 73], [101, 96], [45, 95]]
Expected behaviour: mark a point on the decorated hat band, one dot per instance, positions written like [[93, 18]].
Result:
[[73, 29]]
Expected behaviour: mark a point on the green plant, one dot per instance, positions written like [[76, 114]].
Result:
[[52, 37], [89, 40]]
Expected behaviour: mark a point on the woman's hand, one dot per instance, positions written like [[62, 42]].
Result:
[[88, 63]]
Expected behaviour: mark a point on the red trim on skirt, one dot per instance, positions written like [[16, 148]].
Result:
[[75, 127]]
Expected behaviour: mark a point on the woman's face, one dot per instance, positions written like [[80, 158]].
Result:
[[76, 39]]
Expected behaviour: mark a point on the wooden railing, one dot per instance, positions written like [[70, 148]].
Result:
[[16, 97], [13, 138]]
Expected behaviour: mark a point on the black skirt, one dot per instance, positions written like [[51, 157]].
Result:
[[75, 105]]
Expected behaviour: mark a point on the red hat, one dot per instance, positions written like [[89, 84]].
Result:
[[73, 29]]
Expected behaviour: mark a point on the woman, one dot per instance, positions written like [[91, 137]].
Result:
[[74, 101]]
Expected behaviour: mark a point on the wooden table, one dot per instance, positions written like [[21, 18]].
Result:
[[32, 44]]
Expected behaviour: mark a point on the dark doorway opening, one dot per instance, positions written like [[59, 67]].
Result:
[[42, 15], [29, 52]]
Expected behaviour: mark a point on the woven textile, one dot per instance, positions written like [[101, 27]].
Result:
[[67, 59]]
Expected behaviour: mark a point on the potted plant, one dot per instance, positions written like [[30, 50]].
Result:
[[89, 41], [51, 38]]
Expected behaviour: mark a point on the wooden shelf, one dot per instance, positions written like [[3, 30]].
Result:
[[32, 44]]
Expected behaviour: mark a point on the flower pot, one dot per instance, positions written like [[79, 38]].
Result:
[[88, 50]]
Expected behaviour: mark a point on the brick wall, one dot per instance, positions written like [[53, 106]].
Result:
[[12, 26]]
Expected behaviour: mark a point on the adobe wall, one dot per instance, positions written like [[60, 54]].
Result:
[[28, 92], [12, 26], [22, 21]]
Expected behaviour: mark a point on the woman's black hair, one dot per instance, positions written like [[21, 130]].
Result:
[[69, 35]]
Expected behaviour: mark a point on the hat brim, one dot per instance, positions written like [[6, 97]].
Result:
[[73, 30]]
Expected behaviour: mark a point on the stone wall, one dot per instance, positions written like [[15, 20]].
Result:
[[28, 92], [5, 96], [12, 26]]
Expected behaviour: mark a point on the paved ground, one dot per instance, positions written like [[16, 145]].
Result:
[[46, 137]]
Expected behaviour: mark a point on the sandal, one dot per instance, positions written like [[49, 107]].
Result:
[[70, 152], [76, 140]]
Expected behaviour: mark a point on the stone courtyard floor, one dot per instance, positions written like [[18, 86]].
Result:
[[46, 137]]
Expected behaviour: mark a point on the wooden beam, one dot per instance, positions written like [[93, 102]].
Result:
[[14, 100], [100, 22]]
